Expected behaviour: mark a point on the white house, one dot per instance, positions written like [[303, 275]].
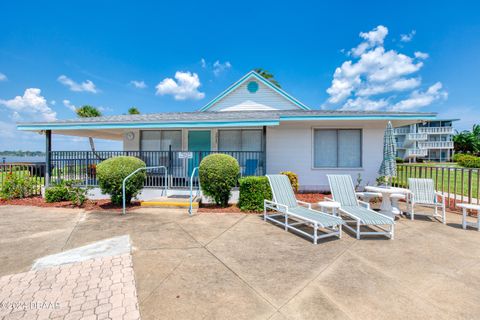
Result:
[[261, 125]]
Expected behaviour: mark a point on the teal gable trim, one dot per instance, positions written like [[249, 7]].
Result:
[[261, 79], [97, 126]]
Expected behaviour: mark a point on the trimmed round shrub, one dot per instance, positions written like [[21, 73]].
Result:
[[253, 190], [57, 193], [111, 172], [218, 175], [293, 177]]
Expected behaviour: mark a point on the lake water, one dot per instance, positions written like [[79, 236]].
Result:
[[10, 159]]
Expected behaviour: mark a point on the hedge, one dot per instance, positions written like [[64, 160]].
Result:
[[253, 190], [467, 160], [293, 177]]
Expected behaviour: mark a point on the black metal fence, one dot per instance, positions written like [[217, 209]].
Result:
[[457, 184], [81, 165], [32, 176]]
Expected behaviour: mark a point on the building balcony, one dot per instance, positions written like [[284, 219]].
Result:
[[417, 136], [400, 131], [413, 152], [436, 145], [436, 130]]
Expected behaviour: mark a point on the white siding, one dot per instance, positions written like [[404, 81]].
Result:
[[131, 145], [241, 99], [290, 148]]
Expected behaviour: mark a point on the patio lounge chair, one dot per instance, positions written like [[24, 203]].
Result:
[[343, 192], [297, 212], [424, 194]]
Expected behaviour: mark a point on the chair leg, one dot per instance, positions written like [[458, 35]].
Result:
[[340, 231], [436, 211], [286, 222], [264, 213], [315, 233], [444, 216], [412, 212], [358, 230], [392, 232]]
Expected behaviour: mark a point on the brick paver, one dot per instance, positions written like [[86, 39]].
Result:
[[92, 289]]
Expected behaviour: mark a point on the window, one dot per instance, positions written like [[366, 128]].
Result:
[[240, 140], [337, 148], [161, 140]]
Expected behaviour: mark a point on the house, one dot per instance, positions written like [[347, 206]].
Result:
[[266, 129], [429, 140]]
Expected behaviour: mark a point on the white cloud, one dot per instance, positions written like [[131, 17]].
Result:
[[3, 77], [31, 106], [184, 87], [203, 63], [421, 55], [408, 37], [86, 86], [372, 38], [376, 71], [139, 84], [70, 105], [219, 67], [419, 99]]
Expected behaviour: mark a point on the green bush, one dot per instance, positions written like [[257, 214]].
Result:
[[468, 161], [218, 175], [56, 193], [457, 157], [66, 191], [15, 186], [111, 172], [399, 160], [293, 177], [253, 190]]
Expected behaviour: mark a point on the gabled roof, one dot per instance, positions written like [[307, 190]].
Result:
[[218, 119], [261, 79]]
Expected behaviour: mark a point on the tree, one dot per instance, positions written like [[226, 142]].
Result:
[[468, 141], [268, 76], [87, 111], [133, 110]]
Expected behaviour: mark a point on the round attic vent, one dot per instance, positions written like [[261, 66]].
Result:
[[252, 87]]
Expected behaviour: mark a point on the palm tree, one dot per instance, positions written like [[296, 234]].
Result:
[[267, 75], [87, 111], [466, 142], [133, 110]]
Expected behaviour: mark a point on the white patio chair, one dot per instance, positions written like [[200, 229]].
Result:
[[343, 192], [423, 194], [301, 213]]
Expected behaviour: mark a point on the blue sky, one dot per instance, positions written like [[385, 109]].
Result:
[[57, 55]]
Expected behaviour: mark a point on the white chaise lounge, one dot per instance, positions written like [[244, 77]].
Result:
[[296, 213], [358, 211]]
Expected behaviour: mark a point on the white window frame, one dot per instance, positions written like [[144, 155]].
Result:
[[336, 168], [161, 134]]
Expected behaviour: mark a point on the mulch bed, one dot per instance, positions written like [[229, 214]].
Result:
[[89, 205], [212, 208]]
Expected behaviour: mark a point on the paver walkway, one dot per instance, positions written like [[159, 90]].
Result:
[[100, 288]]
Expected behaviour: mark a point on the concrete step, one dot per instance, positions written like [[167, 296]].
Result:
[[171, 202]]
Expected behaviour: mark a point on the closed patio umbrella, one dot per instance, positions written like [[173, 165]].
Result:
[[389, 165]]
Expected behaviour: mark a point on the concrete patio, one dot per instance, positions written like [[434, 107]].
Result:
[[236, 266]]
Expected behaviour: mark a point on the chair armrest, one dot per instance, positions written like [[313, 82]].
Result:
[[274, 204], [328, 199], [364, 204], [309, 205]]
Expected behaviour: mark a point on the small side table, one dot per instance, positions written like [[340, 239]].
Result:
[[332, 205], [465, 207]]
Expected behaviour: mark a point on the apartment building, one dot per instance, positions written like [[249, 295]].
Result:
[[429, 140]]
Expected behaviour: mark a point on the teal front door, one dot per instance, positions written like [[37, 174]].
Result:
[[199, 141]]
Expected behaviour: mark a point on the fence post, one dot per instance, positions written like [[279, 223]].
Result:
[[470, 185], [48, 160]]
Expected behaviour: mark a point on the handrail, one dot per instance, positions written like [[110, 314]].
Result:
[[191, 190], [131, 174]]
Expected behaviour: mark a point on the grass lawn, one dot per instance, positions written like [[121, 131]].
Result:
[[449, 177]]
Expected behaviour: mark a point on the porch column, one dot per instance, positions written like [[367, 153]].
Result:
[[264, 148], [48, 161]]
